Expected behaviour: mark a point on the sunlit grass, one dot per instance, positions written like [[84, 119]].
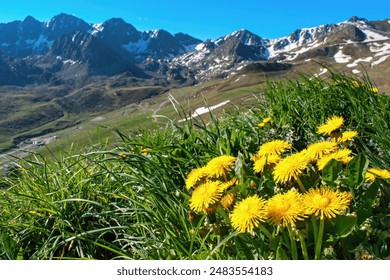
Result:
[[128, 199]]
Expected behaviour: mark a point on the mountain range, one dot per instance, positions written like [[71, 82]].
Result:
[[68, 48], [68, 66]]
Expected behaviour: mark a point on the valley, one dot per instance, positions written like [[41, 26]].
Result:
[[58, 76]]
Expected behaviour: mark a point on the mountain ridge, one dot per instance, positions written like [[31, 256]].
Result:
[[65, 68], [117, 47]]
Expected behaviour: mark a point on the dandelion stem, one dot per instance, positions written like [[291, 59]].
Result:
[[319, 240], [315, 228], [303, 245], [301, 187], [225, 176], [266, 232], [293, 243]]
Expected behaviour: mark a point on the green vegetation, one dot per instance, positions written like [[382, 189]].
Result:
[[138, 197]]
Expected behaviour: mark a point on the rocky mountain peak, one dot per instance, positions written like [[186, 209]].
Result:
[[187, 40], [357, 19], [64, 24], [116, 32]]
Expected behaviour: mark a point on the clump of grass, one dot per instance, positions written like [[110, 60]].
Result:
[[129, 199]]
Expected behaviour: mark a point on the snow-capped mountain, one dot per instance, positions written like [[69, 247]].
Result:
[[338, 43], [67, 43]]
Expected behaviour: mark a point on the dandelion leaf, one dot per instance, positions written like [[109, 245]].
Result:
[[355, 171], [364, 208], [341, 227], [10, 247], [331, 172]]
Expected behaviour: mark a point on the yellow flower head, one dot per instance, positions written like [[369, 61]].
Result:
[[317, 150], [342, 156], [227, 200], [326, 202], [262, 161], [347, 136], [248, 214], [373, 173], [264, 122], [205, 195], [374, 90], [290, 167], [195, 176], [356, 84], [220, 165], [228, 184], [332, 124], [267, 120], [275, 147], [285, 209], [146, 151]]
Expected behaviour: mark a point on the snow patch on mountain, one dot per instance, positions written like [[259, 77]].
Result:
[[137, 47], [339, 57], [380, 49], [380, 60], [373, 36], [96, 28], [204, 110], [355, 63], [42, 42]]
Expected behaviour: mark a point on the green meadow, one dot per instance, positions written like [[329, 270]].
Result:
[[299, 171]]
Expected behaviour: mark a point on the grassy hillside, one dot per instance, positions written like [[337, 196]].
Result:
[[302, 173]]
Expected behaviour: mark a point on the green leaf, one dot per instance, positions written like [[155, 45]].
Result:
[[364, 208], [243, 249], [355, 171], [281, 253], [275, 242], [331, 172], [342, 226], [239, 166], [10, 246]]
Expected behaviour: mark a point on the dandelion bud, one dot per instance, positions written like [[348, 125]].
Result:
[[227, 201]]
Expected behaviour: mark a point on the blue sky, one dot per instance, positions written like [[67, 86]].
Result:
[[204, 19]]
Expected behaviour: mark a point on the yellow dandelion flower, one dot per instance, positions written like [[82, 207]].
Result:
[[264, 122], [285, 209], [332, 124], [374, 90], [273, 147], [347, 136], [317, 150], [195, 176], [342, 156], [227, 200], [205, 195], [290, 167], [326, 202], [262, 161], [220, 165], [267, 120], [146, 151], [248, 214], [356, 84], [373, 173], [365, 255], [228, 184]]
